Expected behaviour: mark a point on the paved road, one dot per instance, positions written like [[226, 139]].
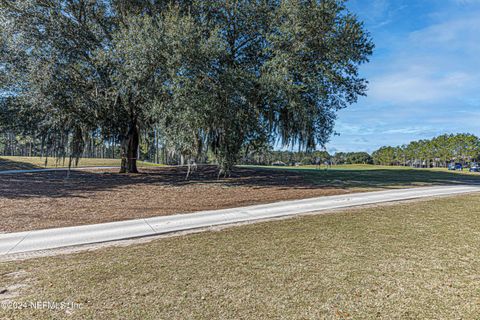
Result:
[[54, 169], [39, 240]]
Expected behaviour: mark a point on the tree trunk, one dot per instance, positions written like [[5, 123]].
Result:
[[130, 150]]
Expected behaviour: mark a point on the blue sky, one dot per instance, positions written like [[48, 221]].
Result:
[[424, 75]]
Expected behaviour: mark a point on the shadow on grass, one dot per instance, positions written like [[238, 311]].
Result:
[[6, 164], [82, 184], [389, 178]]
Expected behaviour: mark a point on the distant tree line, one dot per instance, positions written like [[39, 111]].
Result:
[[269, 157], [437, 152], [151, 148], [351, 158]]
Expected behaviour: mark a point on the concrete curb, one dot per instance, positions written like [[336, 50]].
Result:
[[38, 240]]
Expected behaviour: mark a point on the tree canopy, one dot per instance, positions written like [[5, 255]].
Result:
[[211, 76]]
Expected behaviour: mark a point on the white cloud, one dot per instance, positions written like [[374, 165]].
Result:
[[409, 130], [432, 64], [466, 1], [461, 33], [416, 85]]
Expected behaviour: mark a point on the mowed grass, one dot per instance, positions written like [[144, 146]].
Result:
[[333, 167], [355, 177], [18, 163], [373, 176], [417, 260], [361, 167]]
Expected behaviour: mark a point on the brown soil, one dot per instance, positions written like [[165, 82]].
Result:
[[51, 199]]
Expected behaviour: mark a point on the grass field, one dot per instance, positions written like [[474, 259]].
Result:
[[14, 163], [377, 176], [416, 260], [359, 167]]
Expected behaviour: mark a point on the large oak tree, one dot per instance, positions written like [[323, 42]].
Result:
[[213, 75]]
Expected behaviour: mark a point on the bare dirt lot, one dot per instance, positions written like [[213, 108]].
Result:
[[50, 199]]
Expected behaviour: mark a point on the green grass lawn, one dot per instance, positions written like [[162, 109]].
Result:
[[355, 167], [372, 176], [417, 260], [14, 163], [335, 167]]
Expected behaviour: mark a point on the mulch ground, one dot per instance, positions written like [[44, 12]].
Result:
[[53, 199]]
